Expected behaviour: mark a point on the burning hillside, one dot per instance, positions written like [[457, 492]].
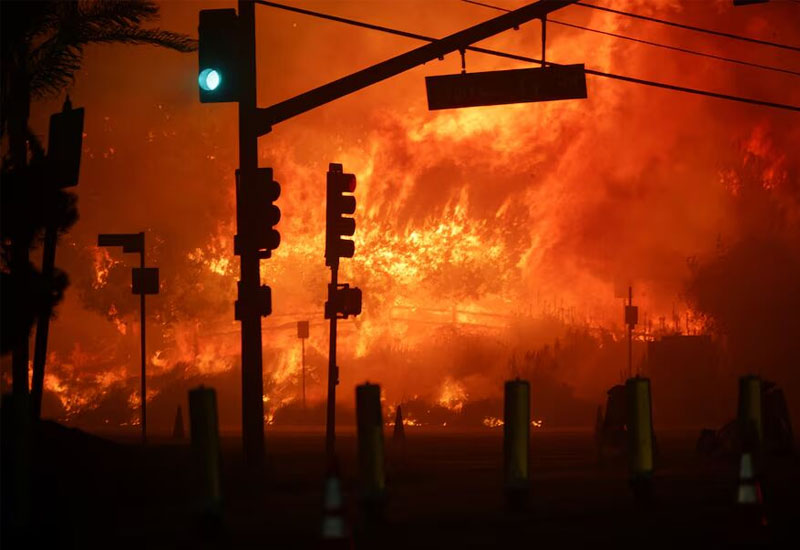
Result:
[[483, 235]]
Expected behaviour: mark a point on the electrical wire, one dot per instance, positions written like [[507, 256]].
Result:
[[689, 27], [593, 72], [649, 43]]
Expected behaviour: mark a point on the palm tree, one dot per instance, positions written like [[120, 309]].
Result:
[[42, 50]]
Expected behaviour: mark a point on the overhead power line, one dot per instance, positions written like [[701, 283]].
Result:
[[650, 43], [593, 72], [690, 27]]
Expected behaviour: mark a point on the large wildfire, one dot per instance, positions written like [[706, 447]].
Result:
[[490, 242]]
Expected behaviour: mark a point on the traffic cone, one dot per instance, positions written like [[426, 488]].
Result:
[[334, 526], [177, 430], [399, 431]]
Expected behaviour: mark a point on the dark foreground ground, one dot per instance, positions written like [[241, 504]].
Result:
[[444, 492]]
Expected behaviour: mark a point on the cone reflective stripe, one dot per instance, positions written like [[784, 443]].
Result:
[[749, 497], [516, 434], [640, 427], [205, 442], [749, 417], [333, 523], [371, 469], [748, 492]]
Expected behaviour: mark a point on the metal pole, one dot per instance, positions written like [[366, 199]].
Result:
[[311, 99], [144, 358], [333, 370], [250, 280], [630, 336], [303, 342], [43, 322]]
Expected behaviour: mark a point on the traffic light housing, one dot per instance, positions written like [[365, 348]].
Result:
[[65, 141], [338, 205], [343, 302], [259, 302], [258, 214], [219, 56]]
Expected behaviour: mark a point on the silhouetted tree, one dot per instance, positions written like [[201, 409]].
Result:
[[42, 50]]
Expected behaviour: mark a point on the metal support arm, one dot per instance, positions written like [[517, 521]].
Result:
[[269, 116]]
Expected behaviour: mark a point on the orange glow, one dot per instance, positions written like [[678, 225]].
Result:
[[481, 234]]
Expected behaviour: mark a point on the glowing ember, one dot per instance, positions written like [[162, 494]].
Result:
[[492, 422]]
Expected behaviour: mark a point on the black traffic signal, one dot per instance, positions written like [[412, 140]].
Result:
[[344, 301], [338, 205], [260, 302], [257, 214], [218, 52]]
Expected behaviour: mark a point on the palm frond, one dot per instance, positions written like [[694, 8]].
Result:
[[155, 37], [55, 69], [117, 12], [56, 59]]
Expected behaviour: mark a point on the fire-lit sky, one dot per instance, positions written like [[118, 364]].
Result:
[[481, 217]]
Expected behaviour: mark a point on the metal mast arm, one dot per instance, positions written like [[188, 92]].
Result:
[[289, 108]]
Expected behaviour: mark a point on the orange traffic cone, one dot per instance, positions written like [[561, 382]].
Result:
[[399, 433], [749, 497], [334, 526]]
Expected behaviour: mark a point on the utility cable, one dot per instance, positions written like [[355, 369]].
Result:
[[593, 72], [649, 43], [689, 27]]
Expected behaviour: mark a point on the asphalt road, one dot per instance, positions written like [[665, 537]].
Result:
[[444, 491]]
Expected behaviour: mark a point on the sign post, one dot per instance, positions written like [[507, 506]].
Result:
[[302, 333], [144, 280]]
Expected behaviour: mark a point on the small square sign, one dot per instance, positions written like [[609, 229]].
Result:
[[302, 329]]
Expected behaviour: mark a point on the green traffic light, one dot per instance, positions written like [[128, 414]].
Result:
[[209, 80]]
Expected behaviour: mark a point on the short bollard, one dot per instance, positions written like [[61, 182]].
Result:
[[640, 436], [516, 441], [749, 416], [371, 466], [206, 449]]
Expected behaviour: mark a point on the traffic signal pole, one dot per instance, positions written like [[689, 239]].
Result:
[[343, 301], [333, 372], [43, 322], [250, 280]]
